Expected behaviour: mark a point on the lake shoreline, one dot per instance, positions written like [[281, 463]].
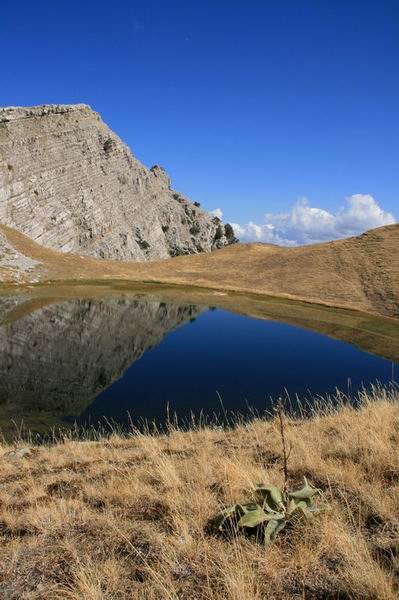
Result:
[[178, 290], [366, 330]]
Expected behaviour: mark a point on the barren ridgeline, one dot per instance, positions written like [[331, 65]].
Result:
[[69, 183], [360, 273]]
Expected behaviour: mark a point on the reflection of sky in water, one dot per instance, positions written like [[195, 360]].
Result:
[[246, 360]]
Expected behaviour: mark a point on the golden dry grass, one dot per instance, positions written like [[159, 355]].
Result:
[[124, 517], [360, 273]]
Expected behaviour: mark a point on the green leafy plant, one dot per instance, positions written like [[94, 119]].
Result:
[[274, 510]]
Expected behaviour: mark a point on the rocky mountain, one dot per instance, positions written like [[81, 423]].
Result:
[[70, 184]]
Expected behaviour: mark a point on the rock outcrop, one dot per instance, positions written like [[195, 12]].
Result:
[[69, 183], [14, 261]]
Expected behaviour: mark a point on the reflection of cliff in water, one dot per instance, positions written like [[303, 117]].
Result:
[[60, 357]]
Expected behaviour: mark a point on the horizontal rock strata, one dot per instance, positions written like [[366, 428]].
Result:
[[69, 183]]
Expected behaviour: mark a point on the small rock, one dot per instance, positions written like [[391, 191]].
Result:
[[19, 453]]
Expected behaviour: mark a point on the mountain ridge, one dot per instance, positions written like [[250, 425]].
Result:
[[358, 273], [70, 183]]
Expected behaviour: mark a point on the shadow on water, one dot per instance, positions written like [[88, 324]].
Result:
[[98, 354]]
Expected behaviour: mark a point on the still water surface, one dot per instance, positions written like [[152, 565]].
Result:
[[85, 360]]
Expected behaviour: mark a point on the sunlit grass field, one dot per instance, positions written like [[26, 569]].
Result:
[[124, 516]]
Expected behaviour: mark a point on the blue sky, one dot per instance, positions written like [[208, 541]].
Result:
[[252, 106]]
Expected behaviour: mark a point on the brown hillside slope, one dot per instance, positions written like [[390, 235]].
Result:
[[358, 273]]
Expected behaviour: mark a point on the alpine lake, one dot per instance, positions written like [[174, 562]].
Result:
[[79, 356]]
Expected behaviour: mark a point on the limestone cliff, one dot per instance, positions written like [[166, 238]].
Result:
[[69, 183]]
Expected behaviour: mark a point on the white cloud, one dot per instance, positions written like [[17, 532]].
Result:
[[217, 213], [306, 224]]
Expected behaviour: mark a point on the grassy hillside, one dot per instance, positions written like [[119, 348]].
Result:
[[359, 273], [124, 517]]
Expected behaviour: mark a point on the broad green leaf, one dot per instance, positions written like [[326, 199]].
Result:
[[270, 506], [272, 491], [253, 518], [273, 498], [248, 507], [219, 520], [303, 507], [239, 509], [305, 492], [307, 501], [272, 512], [270, 531]]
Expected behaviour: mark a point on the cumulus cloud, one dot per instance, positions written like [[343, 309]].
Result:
[[306, 224], [217, 212]]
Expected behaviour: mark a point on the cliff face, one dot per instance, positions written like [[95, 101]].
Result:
[[69, 183]]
